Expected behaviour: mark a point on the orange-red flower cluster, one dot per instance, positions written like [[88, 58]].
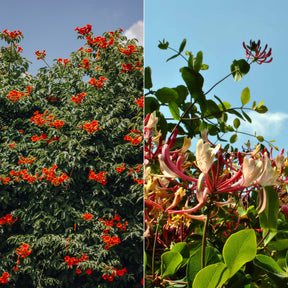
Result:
[[84, 30], [121, 168], [7, 219], [86, 64], [57, 124], [98, 83], [65, 61], [15, 95], [49, 175], [100, 41], [26, 160], [4, 277], [5, 180], [78, 99], [36, 138], [134, 141], [87, 50], [130, 67], [140, 102], [110, 223], [110, 241], [11, 145], [100, 177], [130, 50], [23, 251], [139, 181], [115, 272], [74, 261], [24, 174], [41, 55], [40, 120], [13, 34], [29, 88], [91, 127], [87, 216]]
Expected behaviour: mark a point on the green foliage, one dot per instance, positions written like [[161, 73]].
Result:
[[50, 213]]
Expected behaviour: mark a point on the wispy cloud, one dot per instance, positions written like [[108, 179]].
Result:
[[269, 125], [136, 31]]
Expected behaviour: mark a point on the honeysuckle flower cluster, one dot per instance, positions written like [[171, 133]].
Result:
[[254, 51], [184, 187]]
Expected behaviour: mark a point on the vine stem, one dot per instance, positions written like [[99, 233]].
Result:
[[204, 240], [262, 240], [153, 252]]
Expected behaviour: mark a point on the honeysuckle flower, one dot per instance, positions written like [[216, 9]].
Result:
[[252, 169], [205, 155], [254, 52]]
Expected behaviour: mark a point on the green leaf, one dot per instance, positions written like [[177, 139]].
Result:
[[204, 67], [182, 46], [165, 94], [174, 110], [170, 263], [245, 96], [163, 45], [194, 263], [198, 61], [194, 82], [235, 112], [246, 117], [269, 265], [182, 92], [213, 110], [233, 138], [239, 249], [262, 109], [268, 218], [148, 81], [236, 123], [151, 104], [281, 244], [239, 69], [260, 138], [182, 248], [172, 57], [212, 276]]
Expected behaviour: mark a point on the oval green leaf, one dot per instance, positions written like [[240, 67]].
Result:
[[233, 138], [174, 110], [236, 123], [170, 263], [166, 94], [245, 96], [239, 249], [147, 79], [182, 46], [212, 276]]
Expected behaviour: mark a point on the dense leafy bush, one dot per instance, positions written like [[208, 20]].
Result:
[[71, 165]]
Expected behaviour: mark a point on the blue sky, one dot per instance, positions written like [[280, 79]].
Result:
[[50, 24], [218, 28]]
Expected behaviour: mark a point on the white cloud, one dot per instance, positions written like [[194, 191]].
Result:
[[269, 125], [136, 31]]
